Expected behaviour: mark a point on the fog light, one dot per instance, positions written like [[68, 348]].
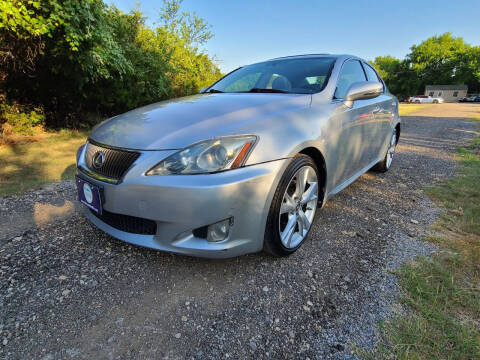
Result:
[[219, 231]]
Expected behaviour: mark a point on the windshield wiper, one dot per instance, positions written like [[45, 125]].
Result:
[[260, 90], [253, 90]]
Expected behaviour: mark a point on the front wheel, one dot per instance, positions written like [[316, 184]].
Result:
[[385, 164], [435, 101], [293, 207]]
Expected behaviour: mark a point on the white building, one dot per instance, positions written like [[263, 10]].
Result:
[[449, 93]]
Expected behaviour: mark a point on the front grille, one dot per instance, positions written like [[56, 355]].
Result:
[[130, 224], [115, 162]]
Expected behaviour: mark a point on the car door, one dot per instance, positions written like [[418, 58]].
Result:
[[379, 129], [351, 147]]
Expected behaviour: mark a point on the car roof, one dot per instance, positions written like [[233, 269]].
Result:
[[303, 56]]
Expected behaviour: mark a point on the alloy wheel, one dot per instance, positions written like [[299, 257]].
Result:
[[391, 149], [298, 207]]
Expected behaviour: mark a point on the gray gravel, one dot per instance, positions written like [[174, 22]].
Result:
[[36, 208], [69, 291]]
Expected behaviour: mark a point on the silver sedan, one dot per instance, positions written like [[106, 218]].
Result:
[[244, 165]]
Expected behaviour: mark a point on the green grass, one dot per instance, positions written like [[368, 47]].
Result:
[[443, 292], [461, 195], [25, 166], [405, 109], [443, 296]]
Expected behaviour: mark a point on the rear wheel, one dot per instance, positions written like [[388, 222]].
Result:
[[385, 164], [417, 101], [293, 207]]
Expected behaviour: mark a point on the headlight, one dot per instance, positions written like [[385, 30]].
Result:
[[208, 156], [79, 151]]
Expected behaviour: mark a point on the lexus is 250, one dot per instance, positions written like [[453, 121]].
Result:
[[244, 165]]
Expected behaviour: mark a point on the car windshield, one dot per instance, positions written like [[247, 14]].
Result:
[[300, 76]]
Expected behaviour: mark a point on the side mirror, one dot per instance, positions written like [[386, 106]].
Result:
[[363, 90], [202, 90]]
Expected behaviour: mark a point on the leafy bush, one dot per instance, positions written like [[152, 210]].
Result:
[[19, 121], [82, 59]]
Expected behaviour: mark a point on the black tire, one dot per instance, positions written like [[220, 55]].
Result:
[[435, 101], [272, 243], [384, 165], [417, 101]]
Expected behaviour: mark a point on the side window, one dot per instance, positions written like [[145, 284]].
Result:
[[351, 72], [244, 83], [430, 93], [439, 93], [372, 75]]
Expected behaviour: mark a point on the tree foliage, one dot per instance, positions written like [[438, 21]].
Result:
[[439, 60], [81, 59], [187, 26], [400, 78]]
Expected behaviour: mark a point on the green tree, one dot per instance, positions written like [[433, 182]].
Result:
[[183, 32], [26, 26], [398, 75], [446, 59], [470, 68], [439, 60], [91, 60], [192, 29]]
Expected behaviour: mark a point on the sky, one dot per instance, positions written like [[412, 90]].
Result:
[[248, 31]]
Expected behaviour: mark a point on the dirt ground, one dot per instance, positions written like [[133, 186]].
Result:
[[67, 290]]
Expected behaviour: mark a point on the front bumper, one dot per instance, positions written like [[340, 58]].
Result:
[[181, 203]]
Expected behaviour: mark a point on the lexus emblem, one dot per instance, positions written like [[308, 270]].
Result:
[[98, 159]]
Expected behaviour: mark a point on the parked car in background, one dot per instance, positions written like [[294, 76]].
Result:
[[470, 98], [425, 99], [243, 165], [477, 99], [412, 98]]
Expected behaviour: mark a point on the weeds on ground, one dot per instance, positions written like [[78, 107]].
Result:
[[443, 292], [20, 123]]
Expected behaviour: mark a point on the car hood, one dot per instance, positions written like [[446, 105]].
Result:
[[177, 123]]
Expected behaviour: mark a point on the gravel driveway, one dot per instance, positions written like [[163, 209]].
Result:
[[67, 290]]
